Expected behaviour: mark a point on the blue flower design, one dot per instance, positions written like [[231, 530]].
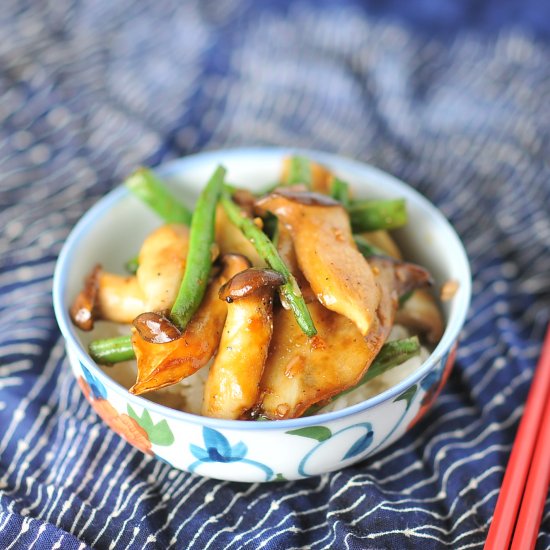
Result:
[[218, 449], [96, 387]]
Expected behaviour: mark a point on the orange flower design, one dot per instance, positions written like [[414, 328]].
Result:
[[122, 424]]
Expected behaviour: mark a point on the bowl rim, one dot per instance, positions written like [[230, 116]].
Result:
[[177, 166]]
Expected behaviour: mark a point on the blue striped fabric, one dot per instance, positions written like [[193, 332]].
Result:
[[89, 90]]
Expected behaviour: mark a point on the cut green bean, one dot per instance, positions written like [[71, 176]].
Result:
[[391, 355], [366, 248], [339, 190], [290, 290], [151, 190], [371, 215], [199, 256], [112, 350], [299, 171]]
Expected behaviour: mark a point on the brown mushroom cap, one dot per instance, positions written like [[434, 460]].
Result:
[[249, 282], [408, 276], [155, 328]]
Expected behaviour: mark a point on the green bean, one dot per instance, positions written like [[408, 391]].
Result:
[[391, 355], [149, 188], [371, 215], [199, 255], [339, 190], [290, 290], [112, 350], [299, 171]]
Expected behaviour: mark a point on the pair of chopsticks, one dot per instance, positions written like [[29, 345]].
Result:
[[527, 474]]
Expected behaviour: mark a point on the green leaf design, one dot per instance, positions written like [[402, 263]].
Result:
[[280, 477], [319, 433], [133, 414], [407, 395], [159, 434]]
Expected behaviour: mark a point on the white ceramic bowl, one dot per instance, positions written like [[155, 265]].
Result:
[[113, 230]]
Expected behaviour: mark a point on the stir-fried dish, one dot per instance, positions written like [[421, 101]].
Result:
[[287, 297]]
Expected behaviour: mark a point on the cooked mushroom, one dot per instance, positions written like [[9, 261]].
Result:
[[421, 314], [245, 199], [155, 328], [327, 255], [163, 364], [233, 382], [120, 298], [285, 248], [162, 265], [231, 240], [300, 372], [107, 296]]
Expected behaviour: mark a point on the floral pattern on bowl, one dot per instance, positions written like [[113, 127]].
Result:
[[217, 453], [139, 431], [217, 449]]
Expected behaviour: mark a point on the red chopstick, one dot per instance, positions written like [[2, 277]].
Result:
[[521, 458], [532, 505]]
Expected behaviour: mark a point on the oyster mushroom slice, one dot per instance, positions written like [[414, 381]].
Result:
[[164, 364], [120, 298], [233, 383], [285, 248], [232, 241], [301, 372], [421, 314], [162, 264], [338, 273], [106, 296]]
